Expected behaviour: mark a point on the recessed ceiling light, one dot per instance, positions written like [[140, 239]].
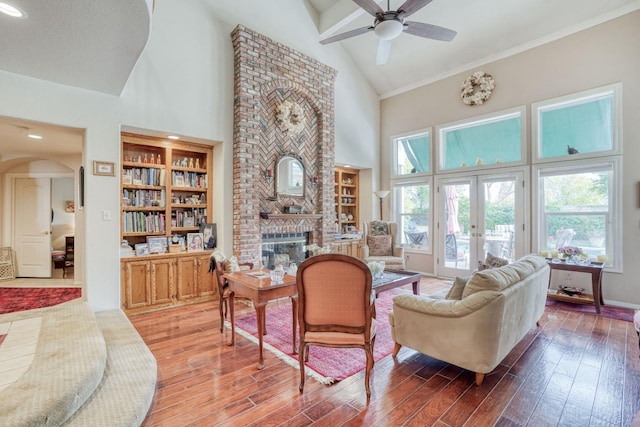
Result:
[[173, 137], [12, 11], [347, 166], [34, 136]]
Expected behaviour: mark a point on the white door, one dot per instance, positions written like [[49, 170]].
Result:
[[477, 215], [32, 226]]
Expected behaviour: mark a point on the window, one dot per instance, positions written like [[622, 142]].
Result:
[[412, 154], [487, 141], [580, 124], [412, 211], [578, 206]]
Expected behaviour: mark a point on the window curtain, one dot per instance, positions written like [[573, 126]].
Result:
[[417, 151]]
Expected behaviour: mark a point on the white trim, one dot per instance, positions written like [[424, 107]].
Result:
[[614, 90], [413, 180]]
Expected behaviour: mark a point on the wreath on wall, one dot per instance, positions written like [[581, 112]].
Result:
[[290, 117], [477, 88]]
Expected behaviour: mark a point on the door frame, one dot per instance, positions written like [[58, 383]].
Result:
[[523, 227]]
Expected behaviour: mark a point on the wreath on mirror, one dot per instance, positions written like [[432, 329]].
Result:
[[477, 88], [290, 117]]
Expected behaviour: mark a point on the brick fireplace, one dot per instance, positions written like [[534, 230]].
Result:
[[266, 74]]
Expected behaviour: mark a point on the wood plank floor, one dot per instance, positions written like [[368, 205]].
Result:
[[575, 370]]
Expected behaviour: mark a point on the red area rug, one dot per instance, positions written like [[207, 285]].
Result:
[[327, 364], [618, 313], [20, 299]]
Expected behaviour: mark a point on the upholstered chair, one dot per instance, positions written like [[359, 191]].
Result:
[[381, 244], [335, 307]]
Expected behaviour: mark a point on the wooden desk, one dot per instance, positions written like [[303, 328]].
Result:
[[261, 291], [595, 269]]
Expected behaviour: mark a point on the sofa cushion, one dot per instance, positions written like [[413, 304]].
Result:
[[526, 265], [457, 288], [380, 245], [495, 279]]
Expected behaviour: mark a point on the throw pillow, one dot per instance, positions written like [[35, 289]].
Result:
[[379, 245], [492, 261], [231, 265], [378, 228], [456, 289]]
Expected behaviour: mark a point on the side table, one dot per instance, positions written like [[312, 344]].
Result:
[[595, 269]]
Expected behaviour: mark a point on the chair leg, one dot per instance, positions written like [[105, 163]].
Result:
[[396, 349], [301, 351], [369, 351], [223, 313], [479, 378]]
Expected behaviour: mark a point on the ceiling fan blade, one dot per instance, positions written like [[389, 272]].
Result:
[[370, 6], [384, 49], [347, 34], [411, 6], [429, 31]]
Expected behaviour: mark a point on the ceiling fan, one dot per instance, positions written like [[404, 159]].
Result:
[[390, 24]]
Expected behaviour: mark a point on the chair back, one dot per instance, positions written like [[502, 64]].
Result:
[[334, 295], [450, 246]]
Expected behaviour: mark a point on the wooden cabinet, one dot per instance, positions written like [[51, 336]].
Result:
[[166, 193], [351, 247], [346, 199], [160, 281]]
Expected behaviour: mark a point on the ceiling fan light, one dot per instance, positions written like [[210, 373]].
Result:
[[12, 11], [389, 29]]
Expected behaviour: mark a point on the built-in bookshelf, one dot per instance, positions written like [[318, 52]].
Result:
[[346, 199], [165, 187]]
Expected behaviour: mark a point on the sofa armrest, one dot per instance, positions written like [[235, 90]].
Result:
[[444, 307]]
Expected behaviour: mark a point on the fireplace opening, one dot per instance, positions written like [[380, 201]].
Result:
[[284, 248]]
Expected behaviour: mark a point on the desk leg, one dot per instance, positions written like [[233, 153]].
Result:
[[596, 282], [260, 314], [294, 321], [232, 317], [415, 287]]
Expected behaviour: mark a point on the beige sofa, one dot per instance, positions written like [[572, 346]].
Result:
[[481, 319]]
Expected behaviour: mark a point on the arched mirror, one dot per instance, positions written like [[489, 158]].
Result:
[[290, 177]]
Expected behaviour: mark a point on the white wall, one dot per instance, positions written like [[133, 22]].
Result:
[[63, 224], [595, 57]]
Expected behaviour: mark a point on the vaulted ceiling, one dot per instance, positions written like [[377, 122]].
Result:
[[94, 45]]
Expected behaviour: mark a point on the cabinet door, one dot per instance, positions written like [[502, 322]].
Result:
[[161, 281], [137, 284], [206, 282], [187, 278]]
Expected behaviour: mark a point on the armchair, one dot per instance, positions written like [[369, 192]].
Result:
[[381, 244]]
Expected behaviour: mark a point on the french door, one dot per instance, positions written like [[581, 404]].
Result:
[[477, 215]]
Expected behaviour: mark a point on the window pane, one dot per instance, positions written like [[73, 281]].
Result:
[[576, 210], [412, 154], [485, 143], [586, 126], [413, 213]]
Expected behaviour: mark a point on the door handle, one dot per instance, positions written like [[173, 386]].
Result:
[[44, 233]]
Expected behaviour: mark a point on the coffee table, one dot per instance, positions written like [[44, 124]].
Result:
[[392, 279]]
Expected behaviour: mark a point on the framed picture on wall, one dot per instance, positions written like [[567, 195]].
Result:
[[104, 168], [69, 206]]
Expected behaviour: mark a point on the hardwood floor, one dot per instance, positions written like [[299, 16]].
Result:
[[574, 370]]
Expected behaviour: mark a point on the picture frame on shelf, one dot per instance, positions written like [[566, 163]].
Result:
[[178, 181], [210, 235], [157, 244], [195, 242], [142, 249], [104, 168], [126, 179]]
